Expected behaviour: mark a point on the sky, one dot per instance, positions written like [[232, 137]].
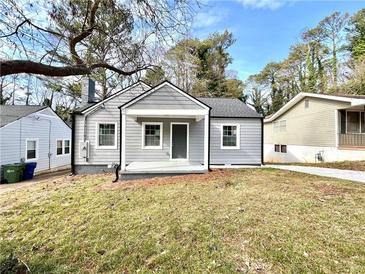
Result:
[[264, 29]]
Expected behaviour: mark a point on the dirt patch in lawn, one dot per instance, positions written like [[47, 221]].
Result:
[[328, 189], [157, 181]]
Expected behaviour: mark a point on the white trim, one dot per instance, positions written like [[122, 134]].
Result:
[[337, 131], [164, 112], [124, 121], [160, 86], [238, 136], [62, 152], [64, 146], [114, 95], [300, 96], [206, 141], [143, 135], [36, 149], [97, 146], [187, 140]]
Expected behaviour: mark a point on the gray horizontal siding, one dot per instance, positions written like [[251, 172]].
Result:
[[13, 140], [134, 151], [250, 142], [108, 114], [165, 98]]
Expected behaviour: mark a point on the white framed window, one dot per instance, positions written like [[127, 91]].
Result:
[[230, 136], [66, 146], [279, 126], [106, 135], [31, 149], [152, 133], [59, 147]]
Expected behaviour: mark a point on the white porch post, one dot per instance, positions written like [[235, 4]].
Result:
[[206, 140], [124, 119], [337, 127]]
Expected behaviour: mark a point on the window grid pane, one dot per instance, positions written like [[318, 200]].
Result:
[[152, 135], [31, 149], [67, 146], [59, 147], [106, 135], [229, 136]]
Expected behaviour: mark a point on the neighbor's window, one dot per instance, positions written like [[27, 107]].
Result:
[[152, 135], [59, 147], [31, 149], [353, 122], [283, 149], [107, 137], [362, 122], [230, 136], [67, 146], [283, 125], [277, 148]]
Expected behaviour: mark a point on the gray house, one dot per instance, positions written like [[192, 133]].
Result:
[[161, 130], [34, 134]]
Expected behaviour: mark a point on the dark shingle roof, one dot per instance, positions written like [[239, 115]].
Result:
[[9, 113], [230, 108]]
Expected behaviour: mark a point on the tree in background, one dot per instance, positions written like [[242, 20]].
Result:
[[154, 77], [356, 35]]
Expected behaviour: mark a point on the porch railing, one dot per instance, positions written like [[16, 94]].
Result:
[[352, 140]]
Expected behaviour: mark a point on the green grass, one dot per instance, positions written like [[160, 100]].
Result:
[[260, 220]]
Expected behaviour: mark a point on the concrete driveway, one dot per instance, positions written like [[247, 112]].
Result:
[[351, 175], [4, 188]]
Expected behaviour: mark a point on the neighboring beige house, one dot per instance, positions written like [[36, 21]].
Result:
[[316, 127]]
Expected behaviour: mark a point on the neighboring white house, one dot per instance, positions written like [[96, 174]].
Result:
[[316, 127], [163, 129], [34, 134]]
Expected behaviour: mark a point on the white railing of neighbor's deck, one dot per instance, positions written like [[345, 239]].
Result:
[[352, 139]]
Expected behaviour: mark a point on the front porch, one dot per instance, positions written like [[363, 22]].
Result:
[[352, 127], [169, 167]]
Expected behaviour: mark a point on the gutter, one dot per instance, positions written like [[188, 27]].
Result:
[[262, 141], [73, 144], [209, 140]]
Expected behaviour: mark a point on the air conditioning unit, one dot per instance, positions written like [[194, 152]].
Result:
[[85, 149]]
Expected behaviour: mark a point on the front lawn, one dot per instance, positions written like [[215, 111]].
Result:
[[254, 220]]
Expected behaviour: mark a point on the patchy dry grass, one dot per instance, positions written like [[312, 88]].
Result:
[[260, 220], [349, 165]]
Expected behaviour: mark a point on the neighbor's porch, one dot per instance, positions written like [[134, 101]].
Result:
[[351, 127]]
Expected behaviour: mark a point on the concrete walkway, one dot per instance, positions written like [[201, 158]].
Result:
[[351, 175]]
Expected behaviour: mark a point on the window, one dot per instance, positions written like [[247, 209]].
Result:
[[106, 135], [362, 122], [31, 149], [280, 126], [66, 146], [59, 147], [152, 135], [283, 148], [353, 122], [277, 148], [306, 103], [230, 136]]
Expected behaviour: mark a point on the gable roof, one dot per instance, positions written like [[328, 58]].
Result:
[[229, 108], [351, 99], [89, 106], [10, 113], [164, 83]]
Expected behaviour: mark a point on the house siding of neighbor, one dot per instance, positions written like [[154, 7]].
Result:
[[166, 109], [34, 125], [310, 130]]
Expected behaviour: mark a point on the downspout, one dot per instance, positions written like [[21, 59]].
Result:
[[262, 141], [73, 144], [120, 148], [209, 140]]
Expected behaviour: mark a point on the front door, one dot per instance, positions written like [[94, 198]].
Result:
[[179, 141]]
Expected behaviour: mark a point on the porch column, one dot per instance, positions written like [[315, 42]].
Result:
[[337, 127], [206, 140], [124, 119]]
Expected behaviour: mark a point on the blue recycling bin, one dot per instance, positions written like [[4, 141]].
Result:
[[28, 172]]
